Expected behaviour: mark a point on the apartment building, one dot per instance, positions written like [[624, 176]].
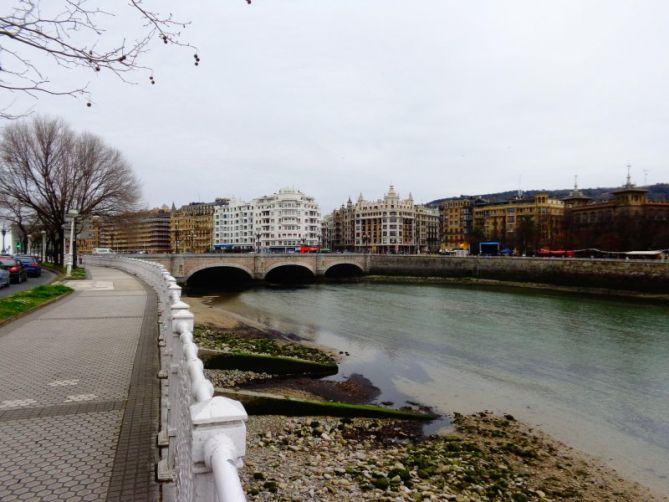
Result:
[[280, 222], [456, 218], [327, 232], [524, 225], [142, 231], [234, 227], [625, 222], [427, 229], [387, 225], [192, 226]]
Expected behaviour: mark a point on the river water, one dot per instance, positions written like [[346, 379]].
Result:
[[592, 372]]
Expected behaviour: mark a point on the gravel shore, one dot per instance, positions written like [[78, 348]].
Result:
[[487, 458]]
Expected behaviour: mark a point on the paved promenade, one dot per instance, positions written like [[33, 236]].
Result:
[[79, 397]]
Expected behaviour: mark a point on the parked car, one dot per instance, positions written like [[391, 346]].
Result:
[[16, 271], [4, 278], [30, 263]]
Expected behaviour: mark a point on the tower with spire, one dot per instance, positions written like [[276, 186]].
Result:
[[630, 194], [576, 197]]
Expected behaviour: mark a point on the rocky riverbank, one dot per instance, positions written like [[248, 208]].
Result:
[[486, 457]]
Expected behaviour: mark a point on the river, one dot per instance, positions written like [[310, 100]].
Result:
[[593, 372]]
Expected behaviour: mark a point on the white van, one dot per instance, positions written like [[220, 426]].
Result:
[[102, 251]]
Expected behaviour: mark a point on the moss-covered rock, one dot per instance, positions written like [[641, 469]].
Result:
[[231, 343]]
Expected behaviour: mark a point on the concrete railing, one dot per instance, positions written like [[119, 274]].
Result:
[[202, 437]]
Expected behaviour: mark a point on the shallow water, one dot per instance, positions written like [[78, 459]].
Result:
[[593, 372]]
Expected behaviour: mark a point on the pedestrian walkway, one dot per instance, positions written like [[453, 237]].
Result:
[[79, 395]]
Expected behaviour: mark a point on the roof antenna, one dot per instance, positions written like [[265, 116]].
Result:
[[629, 177]]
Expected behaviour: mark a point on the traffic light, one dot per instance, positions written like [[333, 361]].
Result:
[[18, 246]]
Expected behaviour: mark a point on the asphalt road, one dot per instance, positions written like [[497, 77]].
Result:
[[30, 283]]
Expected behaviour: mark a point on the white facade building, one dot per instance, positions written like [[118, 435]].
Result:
[[280, 222], [233, 227]]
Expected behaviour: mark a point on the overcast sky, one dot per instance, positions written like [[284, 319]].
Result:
[[438, 97]]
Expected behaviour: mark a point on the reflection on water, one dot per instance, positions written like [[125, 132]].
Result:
[[594, 372]]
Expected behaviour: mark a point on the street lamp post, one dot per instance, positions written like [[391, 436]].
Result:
[[43, 245], [258, 235], [72, 213]]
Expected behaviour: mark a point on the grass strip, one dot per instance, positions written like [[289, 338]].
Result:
[[257, 403], [77, 273], [25, 301]]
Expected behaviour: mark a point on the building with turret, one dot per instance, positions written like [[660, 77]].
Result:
[[627, 221], [387, 225]]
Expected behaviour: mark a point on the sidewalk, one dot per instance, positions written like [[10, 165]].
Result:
[[79, 395]]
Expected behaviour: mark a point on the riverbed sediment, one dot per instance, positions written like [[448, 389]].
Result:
[[316, 458]]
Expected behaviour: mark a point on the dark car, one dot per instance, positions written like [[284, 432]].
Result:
[[33, 268], [16, 271]]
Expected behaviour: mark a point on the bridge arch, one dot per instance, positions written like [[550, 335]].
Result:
[[290, 272], [342, 270], [219, 276]]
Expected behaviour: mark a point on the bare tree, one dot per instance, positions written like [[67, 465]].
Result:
[[74, 34], [48, 169]]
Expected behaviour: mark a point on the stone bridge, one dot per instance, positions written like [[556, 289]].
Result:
[[257, 266], [636, 275]]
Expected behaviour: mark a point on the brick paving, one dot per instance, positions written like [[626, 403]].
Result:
[[79, 397], [133, 476]]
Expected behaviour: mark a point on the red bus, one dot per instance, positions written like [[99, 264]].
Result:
[[309, 249], [556, 253]]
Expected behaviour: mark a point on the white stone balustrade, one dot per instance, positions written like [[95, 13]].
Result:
[[203, 437]]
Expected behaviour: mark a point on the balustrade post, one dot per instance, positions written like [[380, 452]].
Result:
[[182, 321], [174, 291], [219, 445]]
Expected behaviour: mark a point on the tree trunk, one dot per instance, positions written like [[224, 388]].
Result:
[[60, 253], [74, 252]]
